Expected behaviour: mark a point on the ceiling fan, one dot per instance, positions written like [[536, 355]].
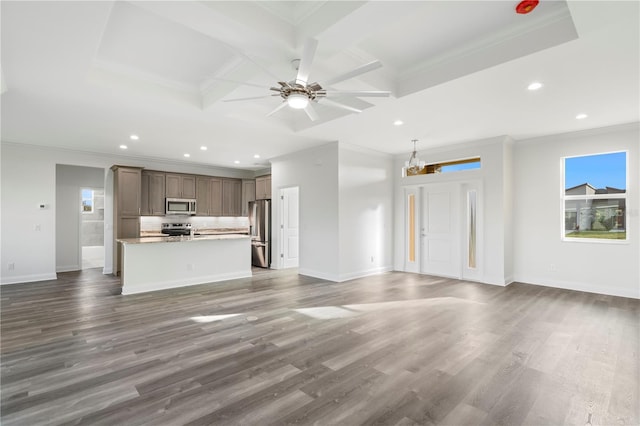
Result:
[[301, 94]]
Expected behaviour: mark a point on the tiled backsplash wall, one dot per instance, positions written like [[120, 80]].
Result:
[[154, 223]]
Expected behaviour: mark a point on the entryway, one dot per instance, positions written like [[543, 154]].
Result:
[[442, 229]]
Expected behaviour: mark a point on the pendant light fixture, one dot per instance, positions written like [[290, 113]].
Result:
[[414, 166]]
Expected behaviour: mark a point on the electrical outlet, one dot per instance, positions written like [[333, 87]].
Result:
[[190, 267], [36, 227], [12, 266]]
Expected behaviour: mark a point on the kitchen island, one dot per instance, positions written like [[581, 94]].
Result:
[[158, 263]]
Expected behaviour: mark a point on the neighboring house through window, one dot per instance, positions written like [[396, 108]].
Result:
[[595, 208]]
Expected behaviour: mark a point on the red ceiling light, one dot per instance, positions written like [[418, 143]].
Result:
[[526, 6]]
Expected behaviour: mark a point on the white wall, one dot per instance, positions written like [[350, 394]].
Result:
[[508, 205], [346, 212], [493, 201], [69, 181], [540, 256], [315, 172], [365, 212], [29, 178]]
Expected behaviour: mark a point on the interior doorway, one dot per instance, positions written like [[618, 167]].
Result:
[[289, 227], [92, 228], [76, 229]]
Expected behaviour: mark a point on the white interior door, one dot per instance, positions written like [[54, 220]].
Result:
[[290, 227], [440, 230]]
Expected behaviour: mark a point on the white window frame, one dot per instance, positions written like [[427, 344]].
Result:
[[565, 198]]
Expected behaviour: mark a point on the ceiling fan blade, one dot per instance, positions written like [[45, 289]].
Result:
[[354, 73], [359, 93], [247, 99], [335, 104], [304, 68], [278, 108], [311, 112]]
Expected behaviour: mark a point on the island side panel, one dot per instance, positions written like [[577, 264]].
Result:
[[163, 265]]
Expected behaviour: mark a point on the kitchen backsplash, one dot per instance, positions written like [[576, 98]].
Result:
[[154, 223]]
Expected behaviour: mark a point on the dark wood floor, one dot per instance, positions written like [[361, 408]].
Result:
[[279, 348]]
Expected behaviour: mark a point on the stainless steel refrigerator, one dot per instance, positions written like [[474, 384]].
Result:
[[260, 222]]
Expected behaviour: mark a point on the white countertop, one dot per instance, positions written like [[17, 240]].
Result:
[[180, 239]]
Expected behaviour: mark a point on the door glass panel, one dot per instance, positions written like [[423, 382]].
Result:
[[411, 229], [471, 231]]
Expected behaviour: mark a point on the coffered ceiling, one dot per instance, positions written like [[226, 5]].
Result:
[[87, 75]]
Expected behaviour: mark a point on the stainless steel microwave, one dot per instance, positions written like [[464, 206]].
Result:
[[183, 206]]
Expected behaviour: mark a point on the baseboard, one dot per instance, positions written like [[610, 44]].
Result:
[[318, 274], [578, 286], [365, 273], [28, 278], [165, 285], [499, 281], [68, 268]]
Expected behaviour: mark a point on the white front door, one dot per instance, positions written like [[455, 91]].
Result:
[[440, 230], [289, 226]]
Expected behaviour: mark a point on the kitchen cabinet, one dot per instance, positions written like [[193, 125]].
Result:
[[153, 193], [263, 187], [216, 197], [208, 196], [127, 189], [231, 197], [248, 195], [180, 186], [127, 183]]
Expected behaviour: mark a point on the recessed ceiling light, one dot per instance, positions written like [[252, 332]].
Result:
[[534, 86], [134, 137], [123, 147], [203, 148], [581, 116], [236, 162], [256, 156], [187, 155], [398, 123]]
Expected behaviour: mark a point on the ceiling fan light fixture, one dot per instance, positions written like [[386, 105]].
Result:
[[298, 101]]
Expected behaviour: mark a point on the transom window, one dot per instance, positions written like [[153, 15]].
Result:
[[595, 197]]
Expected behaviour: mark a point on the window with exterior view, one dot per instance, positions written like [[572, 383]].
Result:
[[595, 197], [87, 201]]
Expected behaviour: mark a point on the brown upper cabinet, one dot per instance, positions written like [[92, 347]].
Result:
[[231, 197], [208, 196], [180, 186], [248, 194], [153, 193], [263, 187]]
